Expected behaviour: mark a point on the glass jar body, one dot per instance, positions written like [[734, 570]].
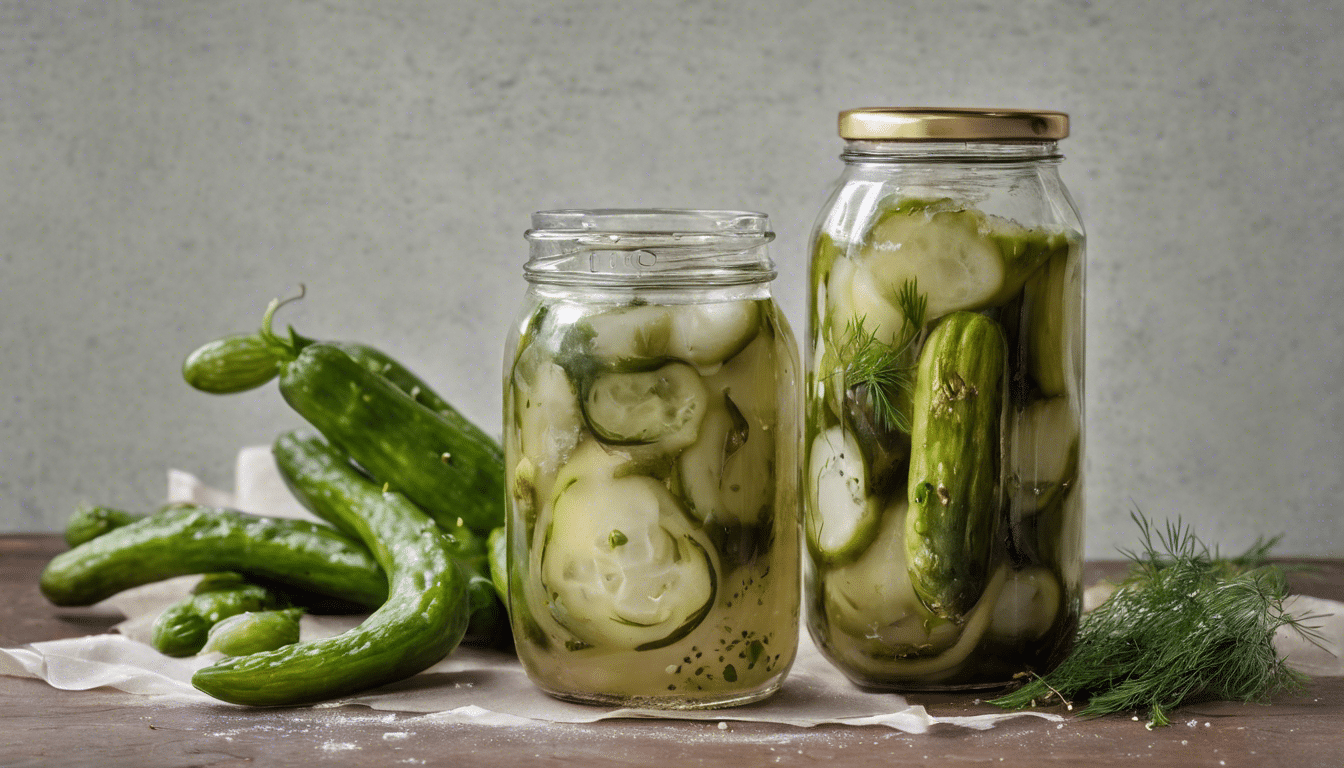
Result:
[[944, 416], [651, 438]]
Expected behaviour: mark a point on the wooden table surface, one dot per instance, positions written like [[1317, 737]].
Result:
[[41, 726]]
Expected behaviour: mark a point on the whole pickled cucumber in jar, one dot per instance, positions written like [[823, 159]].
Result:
[[651, 439], [943, 401]]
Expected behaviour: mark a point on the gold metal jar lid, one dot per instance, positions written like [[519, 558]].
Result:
[[952, 124]]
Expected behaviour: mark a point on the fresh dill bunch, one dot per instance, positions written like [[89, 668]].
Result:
[[1185, 625], [884, 371]]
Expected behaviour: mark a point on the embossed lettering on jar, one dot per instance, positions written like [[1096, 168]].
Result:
[[944, 401], [651, 441]]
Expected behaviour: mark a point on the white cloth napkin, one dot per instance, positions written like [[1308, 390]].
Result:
[[474, 685]]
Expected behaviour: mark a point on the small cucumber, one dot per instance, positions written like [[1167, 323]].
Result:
[[88, 523], [386, 417], [254, 632], [183, 627], [234, 363], [954, 462], [187, 539]]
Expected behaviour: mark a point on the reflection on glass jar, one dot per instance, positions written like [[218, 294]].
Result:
[[651, 444], [944, 401]]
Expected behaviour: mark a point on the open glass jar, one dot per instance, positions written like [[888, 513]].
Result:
[[944, 405], [651, 438]]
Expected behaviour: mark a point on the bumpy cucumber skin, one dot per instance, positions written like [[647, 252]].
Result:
[[88, 523], [187, 539], [182, 628], [378, 362], [325, 482], [415, 449], [953, 516], [423, 620], [232, 364]]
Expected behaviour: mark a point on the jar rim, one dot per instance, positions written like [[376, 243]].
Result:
[[907, 124], [649, 247], [568, 223]]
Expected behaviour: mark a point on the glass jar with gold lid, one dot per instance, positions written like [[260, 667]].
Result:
[[944, 401]]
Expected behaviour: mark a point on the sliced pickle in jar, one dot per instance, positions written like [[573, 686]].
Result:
[[841, 516], [871, 597], [960, 258], [1052, 307], [664, 407], [1043, 453], [548, 416], [1026, 607], [622, 564], [643, 336]]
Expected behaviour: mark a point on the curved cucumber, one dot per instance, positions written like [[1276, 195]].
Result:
[[841, 516], [622, 564], [664, 406], [954, 462], [423, 619], [186, 539], [325, 481]]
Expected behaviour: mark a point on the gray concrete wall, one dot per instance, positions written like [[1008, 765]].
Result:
[[168, 166]]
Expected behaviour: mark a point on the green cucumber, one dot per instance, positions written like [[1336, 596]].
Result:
[[188, 539], [386, 417], [183, 627], [234, 363], [954, 462], [415, 450], [424, 618], [88, 523], [254, 632], [622, 564]]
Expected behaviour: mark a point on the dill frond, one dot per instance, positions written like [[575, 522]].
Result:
[[1185, 625], [883, 370]]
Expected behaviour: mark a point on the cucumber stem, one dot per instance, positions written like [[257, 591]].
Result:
[[290, 347]]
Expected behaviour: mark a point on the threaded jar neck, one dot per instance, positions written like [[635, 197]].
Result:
[[649, 248]]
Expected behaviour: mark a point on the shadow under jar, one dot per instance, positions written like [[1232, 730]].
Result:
[[651, 438], [944, 401]]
